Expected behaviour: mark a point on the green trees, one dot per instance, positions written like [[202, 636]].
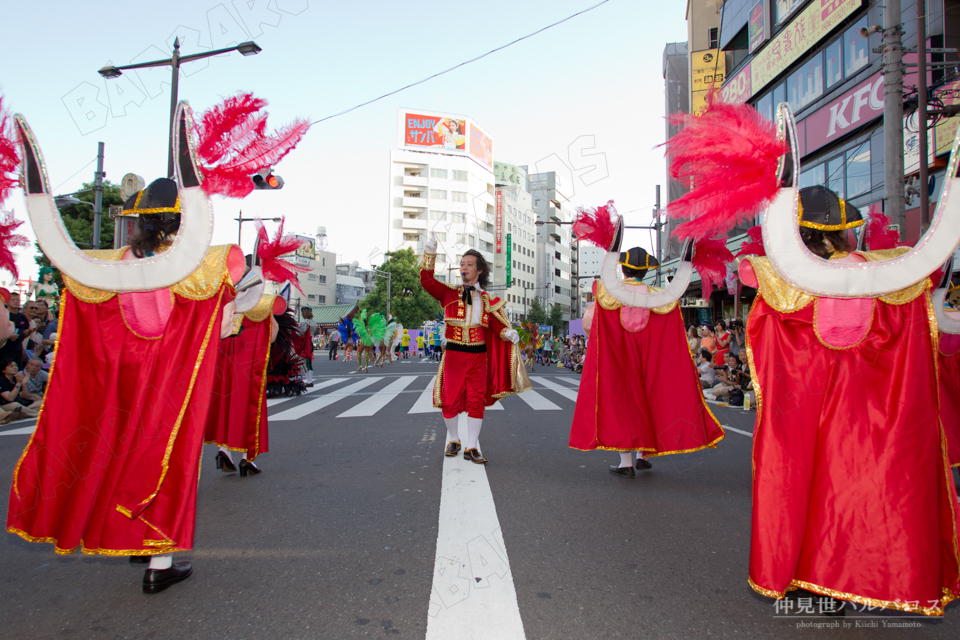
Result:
[[409, 303], [556, 319], [536, 313]]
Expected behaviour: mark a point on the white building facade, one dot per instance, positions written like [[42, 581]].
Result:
[[515, 265], [553, 270]]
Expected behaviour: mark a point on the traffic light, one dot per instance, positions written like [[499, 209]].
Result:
[[266, 179]]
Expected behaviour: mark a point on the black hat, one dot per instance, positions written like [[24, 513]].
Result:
[[160, 196], [822, 210], [637, 258]]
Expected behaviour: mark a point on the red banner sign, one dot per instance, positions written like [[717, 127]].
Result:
[[499, 221], [737, 89]]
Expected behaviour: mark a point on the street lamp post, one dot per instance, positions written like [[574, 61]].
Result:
[[174, 62], [240, 220], [389, 277]]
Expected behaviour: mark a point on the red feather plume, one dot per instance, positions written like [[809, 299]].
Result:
[[710, 259], [753, 246], [9, 240], [9, 155], [233, 144], [729, 153], [596, 226], [270, 252], [878, 234]]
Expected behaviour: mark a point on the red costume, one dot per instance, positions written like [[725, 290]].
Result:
[[479, 364], [639, 390], [238, 411], [112, 467], [948, 363], [853, 497]]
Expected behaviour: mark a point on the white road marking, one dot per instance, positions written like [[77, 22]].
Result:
[[473, 592], [379, 400], [424, 403], [553, 386], [316, 387], [22, 431], [746, 433], [537, 402], [570, 380], [307, 408]]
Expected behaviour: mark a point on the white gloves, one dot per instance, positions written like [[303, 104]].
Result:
[[512, 335], [430, 246]]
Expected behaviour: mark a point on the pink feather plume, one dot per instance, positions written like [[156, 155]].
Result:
[[878, 234], [753, 246], [729, 155], [9, 155], [233, 144], [710, 259], [8, 240], [596, 226], [270, 253]]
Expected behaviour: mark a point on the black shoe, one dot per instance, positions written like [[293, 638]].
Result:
[[224, 463], [452, 449], [248, 467], [156, 580], [473, 455], [139, 559], [626, 472], [644, 464]]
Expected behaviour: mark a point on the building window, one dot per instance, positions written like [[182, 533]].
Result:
[[713, 38], [411, 237], [834, 55], [311, 297], [806, 84], [441, 259], [855, 48], [463, 238], [835, 177], [438, 173], [438, 215], [411, 215], [441, 236], [783, 8], [322, 279], [438, 194], [556, 272], [458, 217], [322, 300], [556, 289], [556, 254], [812, 177], [486, 246], [858, 170], [311, 276], [457, 196], [459, 176]]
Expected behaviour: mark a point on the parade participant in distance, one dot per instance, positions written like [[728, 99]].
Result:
[[482, 362]]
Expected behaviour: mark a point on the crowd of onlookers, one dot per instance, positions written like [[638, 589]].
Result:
[[720, 352], [26, 357]]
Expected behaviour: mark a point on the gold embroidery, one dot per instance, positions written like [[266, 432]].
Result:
[[778, 293], [236, 324], [92, 552], [89, 294], [606, 300], [438, 385], [428, 262], [829, 227], [205, 282], [912, 606], [262, 310]]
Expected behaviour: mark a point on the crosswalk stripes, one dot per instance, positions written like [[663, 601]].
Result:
[[537, 402], [570, 380], [272, 402], [381, 399], [553, 386], [424, 403], [307, 408]]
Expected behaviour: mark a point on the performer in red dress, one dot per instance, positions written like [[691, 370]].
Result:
[[639, 390], [947, 306], [481, 362]]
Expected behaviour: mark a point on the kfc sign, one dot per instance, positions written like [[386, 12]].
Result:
[[853, 109]]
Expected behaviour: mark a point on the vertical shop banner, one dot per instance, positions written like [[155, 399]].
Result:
[[434, 131], [509, 263], [802, 33], [707, 72], [758, 25], [481, 146], [911, 144], [499, 221], [946, 129], [737, 90]]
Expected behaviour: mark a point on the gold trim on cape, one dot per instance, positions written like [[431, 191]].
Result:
[[606, 300]]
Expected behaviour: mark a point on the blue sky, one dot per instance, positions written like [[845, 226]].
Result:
[[598, 75]]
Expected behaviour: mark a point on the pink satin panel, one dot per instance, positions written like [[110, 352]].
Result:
[[851, 491], [634, 319], [146, 312], [949, 371], [844, 323]]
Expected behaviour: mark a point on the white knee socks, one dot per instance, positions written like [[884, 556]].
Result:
[[452, 428], [473, 432], [226, 452], [161, 562], [309, 376], [626, 459]]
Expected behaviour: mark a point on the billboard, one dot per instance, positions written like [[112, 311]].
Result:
[[306, 250], [509, 258], [499, 221], [481, 146], [707, 71], [422, 130], [758, 25]]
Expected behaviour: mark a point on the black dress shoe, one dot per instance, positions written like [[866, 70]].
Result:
[[139, 559], [224, 463], [626, 472], [452, 449], [248, 467], [643, 464], [156, 580], [473, 455]]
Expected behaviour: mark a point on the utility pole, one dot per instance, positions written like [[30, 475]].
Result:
[[656, 215], [98, 196], [922, 109], [893, 115]]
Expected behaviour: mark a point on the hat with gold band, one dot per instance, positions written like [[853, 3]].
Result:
[[159, 197], [637, 258], [821, 209]]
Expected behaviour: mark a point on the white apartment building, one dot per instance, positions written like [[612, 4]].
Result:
[[518, 256], [553, 270], [443, 190]]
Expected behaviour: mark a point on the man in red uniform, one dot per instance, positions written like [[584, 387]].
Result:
[[481, 362]]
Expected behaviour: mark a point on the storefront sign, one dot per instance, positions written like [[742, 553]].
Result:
[[799, 36], [758, 25], [850, 111], [737, 90], [509, 262], [911, 144], [946, 129], [499, 221], [707, 72]]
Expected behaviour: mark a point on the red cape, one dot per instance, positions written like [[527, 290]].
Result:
[[949, 375], [852, 494], [640, 390], [113, 464], [238, 411]]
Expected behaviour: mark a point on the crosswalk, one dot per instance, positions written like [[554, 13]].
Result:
[[364, 397]]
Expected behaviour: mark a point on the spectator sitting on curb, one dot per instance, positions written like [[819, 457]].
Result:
[[708, 377]]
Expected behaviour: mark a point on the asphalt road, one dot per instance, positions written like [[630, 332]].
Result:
[[338, 537]]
